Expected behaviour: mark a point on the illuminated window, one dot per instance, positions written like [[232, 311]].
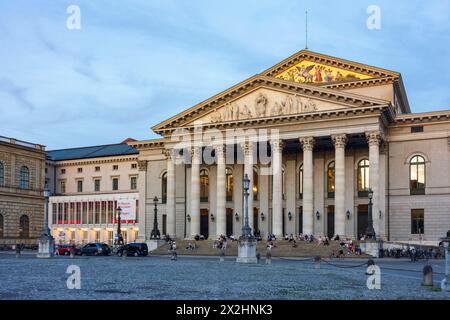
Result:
[[417, 221], [417, 175], [330, 180], [300, 181], [363, 178], [255, 183], [229, 186], [204, 185], [164, 187]]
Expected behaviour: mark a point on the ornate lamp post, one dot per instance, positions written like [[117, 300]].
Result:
[[370, 232], [46, 241], [246, 230], [445, 284], [247, 242], [155, 235], [119, 239]]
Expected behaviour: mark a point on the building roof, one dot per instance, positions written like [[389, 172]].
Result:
[[110, 150]]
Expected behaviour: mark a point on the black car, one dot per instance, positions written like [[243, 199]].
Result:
[[95, 249], [133, 249]]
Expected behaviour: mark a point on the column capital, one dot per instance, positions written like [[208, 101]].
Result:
[[220, 149], [373, 138], [142, 165], [247, 147], [277, 145], [169, 153], [307, 143], [339, 140]]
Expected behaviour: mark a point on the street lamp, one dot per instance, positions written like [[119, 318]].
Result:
[[348, 215], [318, 215], [289, 216], [246, 230], [445, 284], [155, 235], [370, 232], [119, 239], [262, 216], [46, 241]]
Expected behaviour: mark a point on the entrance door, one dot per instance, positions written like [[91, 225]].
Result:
[[363, 219], [283, 223], [204, 223], [330, 221], [255, 220], [229, 221]]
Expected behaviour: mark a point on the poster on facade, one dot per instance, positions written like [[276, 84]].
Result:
[[128, 207]]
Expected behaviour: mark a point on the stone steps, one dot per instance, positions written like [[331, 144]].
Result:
[[282, 248]]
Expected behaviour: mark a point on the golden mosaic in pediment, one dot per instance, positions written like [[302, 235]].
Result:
[[313, 72]]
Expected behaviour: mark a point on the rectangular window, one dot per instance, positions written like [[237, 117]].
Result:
[[97, 169], [417, 221], [63, 171], [62, 187], [97, 185], [79, 186], [80, 170], [115, 167], [46, 171], [416, 129], [115, 183], [133, 183], [134, 166]]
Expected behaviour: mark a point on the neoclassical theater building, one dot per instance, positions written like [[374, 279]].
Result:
[[341, 129]]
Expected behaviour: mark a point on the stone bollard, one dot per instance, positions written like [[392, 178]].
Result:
[[317, 260], [427, 276]]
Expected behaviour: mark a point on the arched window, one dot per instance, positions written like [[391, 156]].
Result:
[[417, 175], [2, 174], [330, 180], [363, 178], [300, 182], [229, 185], [204, 185], [164, 187], [24, 227], [255, 183], [1, 226], [24, 178]]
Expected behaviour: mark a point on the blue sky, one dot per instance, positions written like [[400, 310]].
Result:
[[135, 63]]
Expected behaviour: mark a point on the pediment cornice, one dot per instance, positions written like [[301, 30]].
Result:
[[311, 91]]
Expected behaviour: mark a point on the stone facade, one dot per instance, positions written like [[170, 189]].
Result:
[[21, 194], [337, 137]]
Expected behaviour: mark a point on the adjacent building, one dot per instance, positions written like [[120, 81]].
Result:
[[336, 130], [22, 166], [88, 185]]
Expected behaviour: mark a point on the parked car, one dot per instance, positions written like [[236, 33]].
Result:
[[95, 249], [64, 249], [133, 249]]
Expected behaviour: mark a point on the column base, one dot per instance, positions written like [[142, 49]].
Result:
[[371, 247], [154, 244], [46, 247], [247, 251]]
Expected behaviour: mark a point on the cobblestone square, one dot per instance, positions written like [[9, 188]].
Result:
[[197, 278]]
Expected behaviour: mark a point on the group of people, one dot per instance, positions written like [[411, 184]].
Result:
[[220, 243]]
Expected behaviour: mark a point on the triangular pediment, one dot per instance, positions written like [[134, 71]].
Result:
[[263, 97]]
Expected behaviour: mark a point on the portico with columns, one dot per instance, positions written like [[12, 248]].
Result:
[[326, 143]]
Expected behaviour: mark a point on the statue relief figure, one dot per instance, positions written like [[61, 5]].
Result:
[[276, 109], [289, 105], [244, 112], [310, 106], [260, 105]]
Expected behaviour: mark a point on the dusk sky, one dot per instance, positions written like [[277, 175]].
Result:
[[135, 63]]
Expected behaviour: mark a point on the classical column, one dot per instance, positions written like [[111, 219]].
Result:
[[374, 139], [142, 180], [170, 203], [221, 191], [248, 169], [277, 196], [195, 191], [308, 187], [339, 142]]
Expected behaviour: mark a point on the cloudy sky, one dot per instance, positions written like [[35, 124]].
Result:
[[135, 63]]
